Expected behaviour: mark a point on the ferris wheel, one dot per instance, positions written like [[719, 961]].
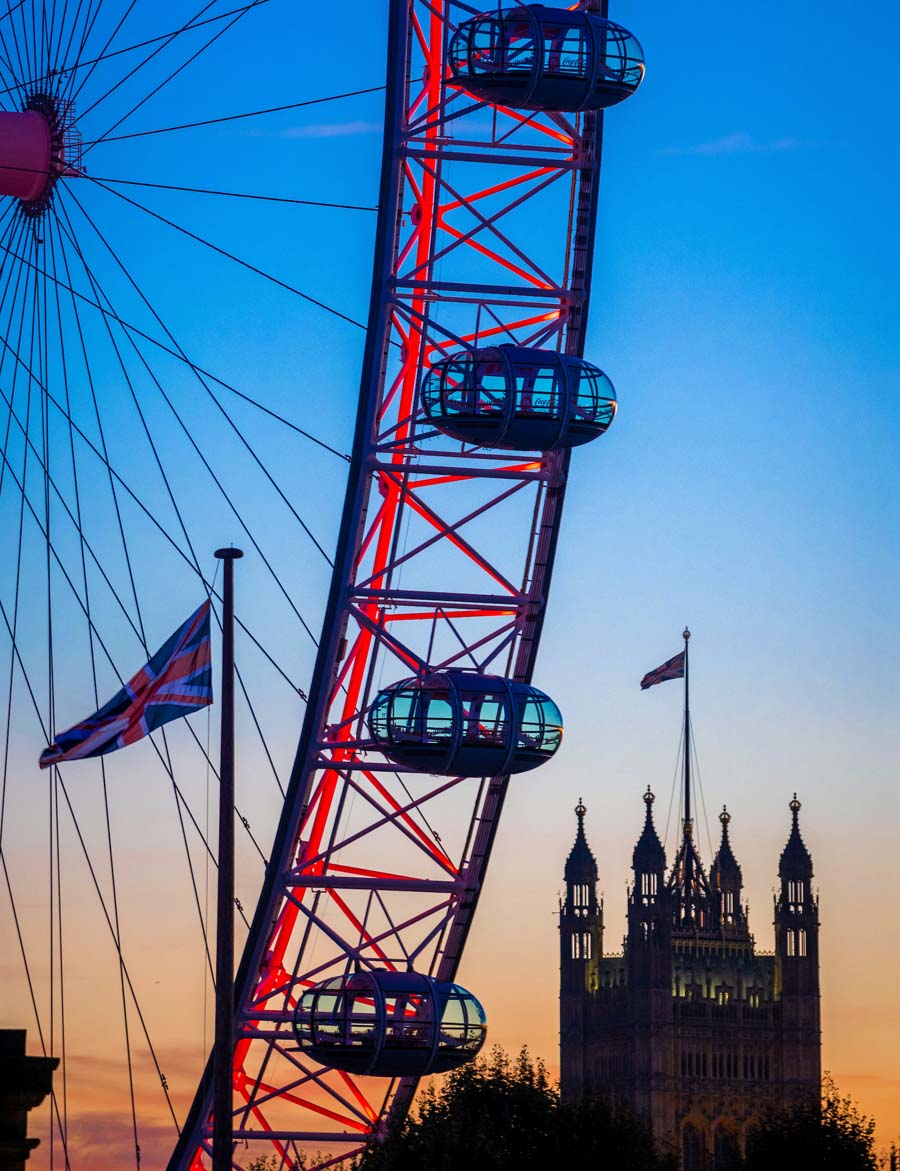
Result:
[[125, 439]]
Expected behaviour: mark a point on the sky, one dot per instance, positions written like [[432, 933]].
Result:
[[745, 305]]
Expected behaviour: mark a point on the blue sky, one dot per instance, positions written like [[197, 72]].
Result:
[[745, 305]]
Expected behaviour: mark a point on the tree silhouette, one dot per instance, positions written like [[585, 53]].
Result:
[[828, 1135], [500, 1114]]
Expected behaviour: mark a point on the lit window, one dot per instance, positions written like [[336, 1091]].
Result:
[[801, 942], [791, 943]]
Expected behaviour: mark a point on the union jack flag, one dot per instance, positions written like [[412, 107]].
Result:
[[176, 681], [671, 669]]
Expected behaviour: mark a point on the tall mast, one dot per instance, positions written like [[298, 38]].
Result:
[[688, 891], [687, 736]]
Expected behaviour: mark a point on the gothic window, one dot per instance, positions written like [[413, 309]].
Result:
[[581, 896], [753, 997], [726, 1150], [723, 994], [648, 887], [729, 904], [791, 943], [795, 893], [693, 1149], [801, 942], [581, 946]]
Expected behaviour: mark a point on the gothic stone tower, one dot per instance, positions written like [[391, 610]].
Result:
[[690, 1025]]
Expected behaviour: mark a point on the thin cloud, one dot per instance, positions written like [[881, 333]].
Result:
[[737, 143], [332, 129]]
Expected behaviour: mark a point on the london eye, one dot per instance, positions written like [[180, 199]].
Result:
[[380, 737]]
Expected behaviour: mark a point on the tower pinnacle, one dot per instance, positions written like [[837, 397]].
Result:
[[581, 865], [796, 861]]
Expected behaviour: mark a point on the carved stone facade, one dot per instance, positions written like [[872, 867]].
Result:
[[691, 1026]]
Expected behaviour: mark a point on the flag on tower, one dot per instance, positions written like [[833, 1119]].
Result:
[[672, 669], [176, 682]]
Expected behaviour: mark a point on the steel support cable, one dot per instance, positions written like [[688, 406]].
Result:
[[16, 87], [89, 21], [100, 642], [35, 49], [96, 633], [72, 69], [229, 255], [61, 54], [68, 72], [35, 303], [62, 986], [17, 232], [353, 93], [21, 522], [168, 759], [55, 34], [115, 497], [237, 194], [206, 464], [195, 565], [171, 77], [150, 56], [55, 894], [196, 562], [54, 1103], [169, 770], [105, 789], [167, 37], [74, 426], [11, 9], [225, 415], [15, 74], [12, 229], [34, 62], [187, 361], [148, 513], [21, 50]]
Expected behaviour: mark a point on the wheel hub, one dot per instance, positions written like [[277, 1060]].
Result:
[[37, 146]]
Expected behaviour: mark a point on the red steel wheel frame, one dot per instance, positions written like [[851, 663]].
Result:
[[486, 234]]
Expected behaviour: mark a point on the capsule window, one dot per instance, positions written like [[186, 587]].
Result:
[[408, 1022], [484, 717], [565, 50], [540, 727]]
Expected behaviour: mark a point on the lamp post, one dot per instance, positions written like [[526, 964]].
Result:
[[223, 1053]]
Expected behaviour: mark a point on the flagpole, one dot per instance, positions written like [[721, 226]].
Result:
[[223, 1053], [687, 733]]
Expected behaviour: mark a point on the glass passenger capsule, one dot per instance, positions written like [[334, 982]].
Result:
[[537, 58], [389, 1024], [518, 398], [465, 724]]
